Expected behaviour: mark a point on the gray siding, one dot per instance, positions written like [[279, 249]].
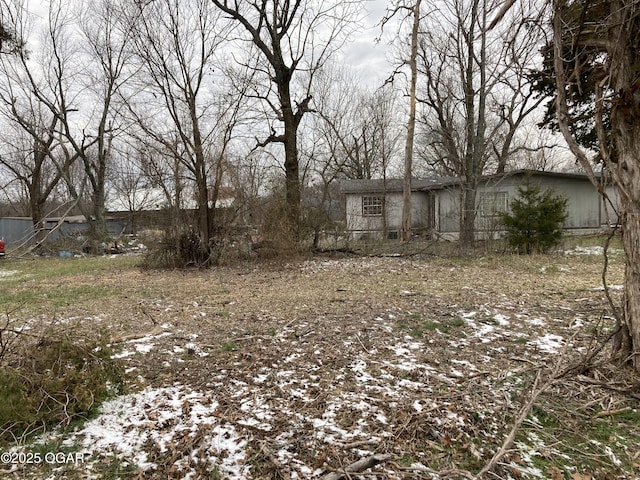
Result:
[[361, 226], [16, 231], [437, 207]]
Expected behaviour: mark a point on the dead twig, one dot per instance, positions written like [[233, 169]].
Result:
[[559, 371], [536, 391], [136, 336], [145, 312], [362, 344], [359, 466], [611, 413]]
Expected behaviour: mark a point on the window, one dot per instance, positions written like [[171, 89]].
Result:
[[372, 206], [491, 204]]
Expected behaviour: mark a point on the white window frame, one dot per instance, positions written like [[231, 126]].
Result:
[[372, 205], [491, 204]]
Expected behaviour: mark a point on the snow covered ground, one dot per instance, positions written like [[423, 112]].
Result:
[[362, 406]]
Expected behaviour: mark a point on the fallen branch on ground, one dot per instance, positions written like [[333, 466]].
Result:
[[359, 466], [136, 336]]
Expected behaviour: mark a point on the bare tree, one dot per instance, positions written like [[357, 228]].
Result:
[[106, 41], [411, 125], [27, 159], [182, 106], [356, 125], [28, 91], [73, 90], [412, 11], [354, 134], [475, 94], [293, 39], [130, 188]]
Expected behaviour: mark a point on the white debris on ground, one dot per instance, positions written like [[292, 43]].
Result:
[[595, 250], [164, 417], [364, 402], [7, 273], [321, 391]]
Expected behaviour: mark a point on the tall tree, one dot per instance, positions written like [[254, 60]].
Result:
[[106, 40], [71, 82], [176, 105], [411, 124], [604, 53], [293, 38], [474, 94], [32, 97], [412, 15]]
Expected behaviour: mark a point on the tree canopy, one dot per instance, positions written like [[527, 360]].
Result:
[[585, 68]]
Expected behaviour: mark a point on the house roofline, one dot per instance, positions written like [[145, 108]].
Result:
[[391, 185], [395, 185]]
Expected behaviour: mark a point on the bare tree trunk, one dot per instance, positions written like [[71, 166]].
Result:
[[202, 184], [411, 127], [291, 163], [627, 180], [468, 214], [625, 120], [475, 131], [628, 340], [620, 46]]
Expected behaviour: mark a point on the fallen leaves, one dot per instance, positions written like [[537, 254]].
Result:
[[335, 361]]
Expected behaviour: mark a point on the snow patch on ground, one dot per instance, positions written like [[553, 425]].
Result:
[[372, 391], [128, 424]]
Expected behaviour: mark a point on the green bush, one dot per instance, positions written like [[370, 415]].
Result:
[[52, 383], [534, 224]]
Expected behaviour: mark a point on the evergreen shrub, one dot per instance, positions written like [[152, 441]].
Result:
[[534, 224]]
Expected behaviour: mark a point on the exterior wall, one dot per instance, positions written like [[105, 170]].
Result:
[[584, 202], [360, 226], [439, 209], [15, 231], [584, 206], [448, 210]]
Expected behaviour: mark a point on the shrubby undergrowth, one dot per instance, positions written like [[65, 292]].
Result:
[[50, 381]]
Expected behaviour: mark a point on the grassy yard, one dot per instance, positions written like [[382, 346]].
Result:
[[297, 369]]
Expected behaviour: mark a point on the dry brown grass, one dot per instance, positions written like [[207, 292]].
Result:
[[322, 317]]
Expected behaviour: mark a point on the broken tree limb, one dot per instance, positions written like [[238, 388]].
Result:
[[359, 466], [136, 336]]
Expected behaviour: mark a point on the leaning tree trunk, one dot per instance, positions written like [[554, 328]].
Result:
[[626, 175], [623, 49]]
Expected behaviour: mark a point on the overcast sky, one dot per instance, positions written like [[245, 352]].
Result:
[[367, 56], [364, 53]]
